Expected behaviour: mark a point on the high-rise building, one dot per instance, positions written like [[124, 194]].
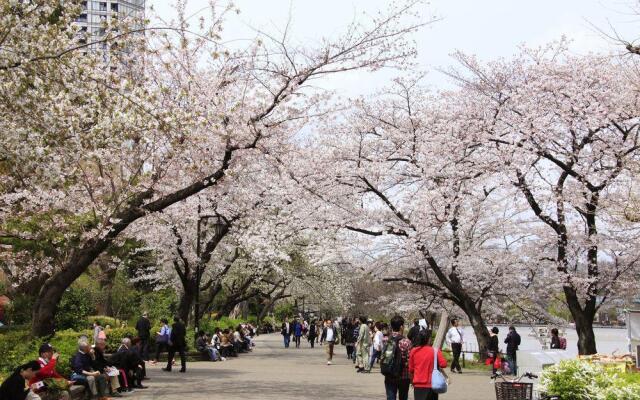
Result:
[[96, 14]]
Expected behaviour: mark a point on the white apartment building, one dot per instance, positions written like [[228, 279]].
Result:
[[96, 13]]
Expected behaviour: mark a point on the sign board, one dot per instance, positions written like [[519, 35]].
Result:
[[633, 328]]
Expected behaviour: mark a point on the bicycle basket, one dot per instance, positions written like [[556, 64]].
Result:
[[514, 391]]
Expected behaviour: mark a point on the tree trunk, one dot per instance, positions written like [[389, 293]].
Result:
[[45, 307], [44, 311], [479, 328], [583, 318], [186, 302]]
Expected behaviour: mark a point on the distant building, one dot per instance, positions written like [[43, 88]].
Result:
[[96, 14]]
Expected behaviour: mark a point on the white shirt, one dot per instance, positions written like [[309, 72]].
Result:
[[377, 340], [330, 334], [455, 335]]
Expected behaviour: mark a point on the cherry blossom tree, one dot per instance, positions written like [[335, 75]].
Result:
[[565, 129], [93, 147], [407, 170]]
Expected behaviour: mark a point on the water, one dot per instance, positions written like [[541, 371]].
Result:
[[608, 340]]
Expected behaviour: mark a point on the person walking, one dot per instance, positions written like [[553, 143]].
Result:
[[312, 333], [493, 348], [376, 348], [422, 362], [97, 328], [330, 337], [363, 343], [286, 332], [413, 332], [513, 341], [455, 339], [397, 385], [177, 343], [297, 332], [143, 326], [349, 340]]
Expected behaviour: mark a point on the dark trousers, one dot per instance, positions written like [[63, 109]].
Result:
[[144, 348], [424, 394], [312, 341], [374, 356], [456, 348], [350, 351], [514, 364], [397, 389], [297, 340], [183, 357], [159, 347]]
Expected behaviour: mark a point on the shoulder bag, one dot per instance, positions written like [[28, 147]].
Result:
[[438, 380]]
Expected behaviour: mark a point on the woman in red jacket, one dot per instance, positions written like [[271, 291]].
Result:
[[421, 364]]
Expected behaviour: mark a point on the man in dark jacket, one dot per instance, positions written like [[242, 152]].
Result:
[[177, 343], [14, 387], [413, 333], [143, 326], [512, 341], [286, 331], [83, 372]]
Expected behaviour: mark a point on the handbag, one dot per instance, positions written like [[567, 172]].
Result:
[[438, 380], [497, 363]]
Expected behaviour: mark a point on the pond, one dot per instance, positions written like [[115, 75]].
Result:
[[608, 340]]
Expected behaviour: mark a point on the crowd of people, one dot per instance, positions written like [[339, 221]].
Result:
[[105, 375], [368, 342], [225, 343]]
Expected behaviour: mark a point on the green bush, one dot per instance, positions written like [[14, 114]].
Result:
[[160, 304], [74, 307], [19, 310], [579, 380], [18, 347], [103, 320]]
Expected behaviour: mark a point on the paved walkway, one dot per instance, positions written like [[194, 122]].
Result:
[[272, 372]]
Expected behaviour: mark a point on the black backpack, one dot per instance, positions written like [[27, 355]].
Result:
[[391, 360]]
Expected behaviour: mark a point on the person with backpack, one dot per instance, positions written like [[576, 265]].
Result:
[[513, 341], [423, 360], [557, 342], [394, 363]]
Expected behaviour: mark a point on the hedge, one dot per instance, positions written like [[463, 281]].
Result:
[[18, 347]]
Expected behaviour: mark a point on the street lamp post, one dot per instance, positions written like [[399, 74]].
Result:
[[218, 226]]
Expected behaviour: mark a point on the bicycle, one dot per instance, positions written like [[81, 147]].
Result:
[[514, 389]]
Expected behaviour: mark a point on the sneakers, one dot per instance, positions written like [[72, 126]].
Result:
[[328, 362]]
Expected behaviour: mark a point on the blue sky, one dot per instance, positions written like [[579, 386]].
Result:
[[487, 28]]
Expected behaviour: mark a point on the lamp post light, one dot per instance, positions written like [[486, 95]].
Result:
[[219, 226]]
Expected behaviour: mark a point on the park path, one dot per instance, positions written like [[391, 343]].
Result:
[[272, 372]]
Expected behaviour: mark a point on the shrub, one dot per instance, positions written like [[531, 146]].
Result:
[[74, 307], [103, 320], [579, 380]]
